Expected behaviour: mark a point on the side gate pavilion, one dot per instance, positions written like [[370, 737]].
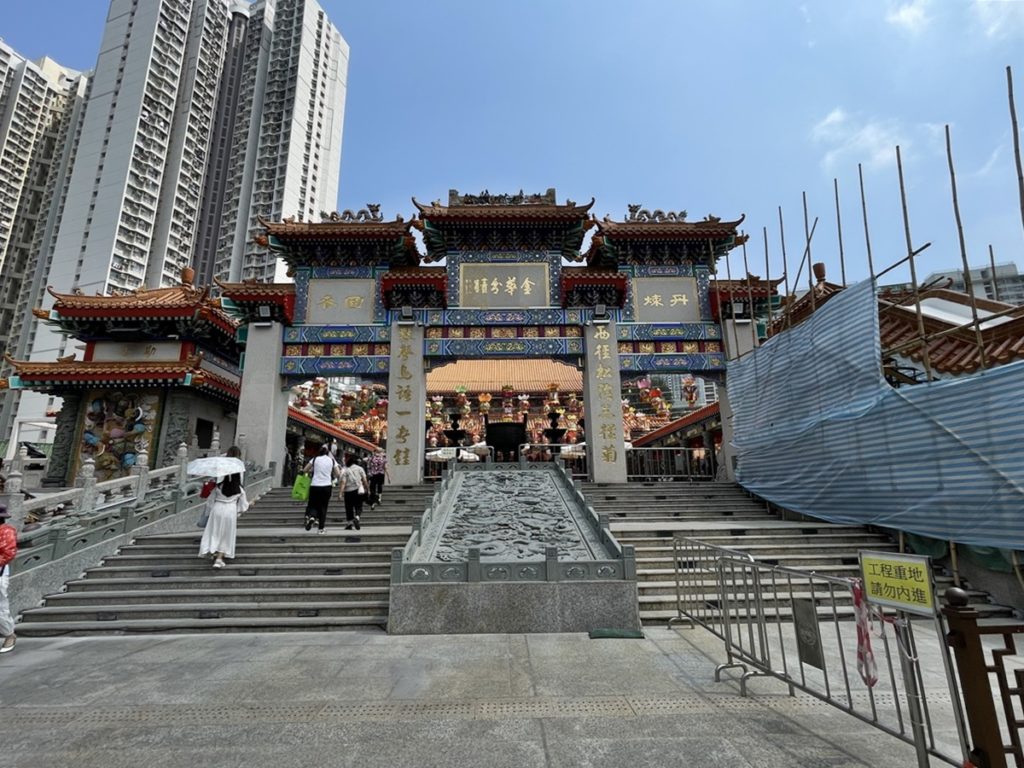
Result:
[[503, 277]]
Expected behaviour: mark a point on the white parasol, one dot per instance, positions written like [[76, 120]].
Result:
[[448, 454], [215, 466]]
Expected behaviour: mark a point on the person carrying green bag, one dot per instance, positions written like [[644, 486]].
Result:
[[324, 470], [300, 488]]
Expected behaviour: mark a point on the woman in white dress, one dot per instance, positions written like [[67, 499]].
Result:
[[224, 505]]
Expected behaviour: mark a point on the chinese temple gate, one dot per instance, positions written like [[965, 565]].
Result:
[[503, 276]]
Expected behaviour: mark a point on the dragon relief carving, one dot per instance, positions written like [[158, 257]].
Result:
[[370, 213], [638, 213]]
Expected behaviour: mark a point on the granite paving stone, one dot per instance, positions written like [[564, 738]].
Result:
[[366, 699]]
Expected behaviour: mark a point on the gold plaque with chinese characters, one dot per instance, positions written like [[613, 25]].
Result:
[[496, 286], [340, 302], [665, 300]]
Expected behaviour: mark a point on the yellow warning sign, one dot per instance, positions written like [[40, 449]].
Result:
[[903, 582]]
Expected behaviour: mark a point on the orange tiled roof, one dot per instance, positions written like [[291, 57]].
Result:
[[326, 427], [313, 230], [251, 288], [694, 417], [525, 376], [528, 211], [955, 352], [711, 227], [802, 308], [739, 288], [80, 372], [175, 301]]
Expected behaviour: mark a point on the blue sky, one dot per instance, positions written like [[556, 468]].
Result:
[[722, 107]]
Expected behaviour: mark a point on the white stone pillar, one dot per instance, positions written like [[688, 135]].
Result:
[[263, 402], [407, 392], [602, 400]]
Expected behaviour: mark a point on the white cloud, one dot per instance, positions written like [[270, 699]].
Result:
[[986, 169], [1000, 18], [855, 139], [912, 17]]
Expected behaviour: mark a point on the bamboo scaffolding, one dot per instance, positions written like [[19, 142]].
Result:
[[785, 269], [806, 257], [992, 267], [1016, 141], [839, 228], [968, 283], [810, 271], [768, 279], [925, 358], [864, 215], [732, 308], [750, 299]]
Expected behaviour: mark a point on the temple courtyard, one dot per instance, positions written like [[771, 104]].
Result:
[[370, 699]]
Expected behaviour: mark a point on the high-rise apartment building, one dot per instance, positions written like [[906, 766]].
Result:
[[285, 149], [41, 108], [1002, 282], [130, 214], [201, 116], [37, 103]]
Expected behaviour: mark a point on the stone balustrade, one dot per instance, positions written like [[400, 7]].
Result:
[[53, 525]]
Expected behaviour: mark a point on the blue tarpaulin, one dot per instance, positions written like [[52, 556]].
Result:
[[818, 430]]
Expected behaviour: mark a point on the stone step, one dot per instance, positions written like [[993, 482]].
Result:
[[647, 572], [203, 566], [243, 559], [702, 515], [762, 551], [226, 579], [332, 523], [367, 537], [799, 556], [311, 549], [205, 611], [661, 616], [850, 541], [189, 626], [264, 594], [738, 599]]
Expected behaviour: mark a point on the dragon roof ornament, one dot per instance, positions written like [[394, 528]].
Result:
[[369, 214], [519, 198]]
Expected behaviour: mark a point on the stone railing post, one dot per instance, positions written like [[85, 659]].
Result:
[[141, 471], [965, 640], [182, 465], [20, 459], [215, 443], [87, 482], [240, 442], [13, 499]]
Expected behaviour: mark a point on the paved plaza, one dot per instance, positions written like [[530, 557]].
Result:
[[368, 699]]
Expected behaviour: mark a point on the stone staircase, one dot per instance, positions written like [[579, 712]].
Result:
[[650, 515], [282, 578]]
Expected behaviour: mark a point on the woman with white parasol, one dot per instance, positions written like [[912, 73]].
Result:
[[225, 503]]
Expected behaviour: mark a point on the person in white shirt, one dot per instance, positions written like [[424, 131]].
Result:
[[354, 487], [324, 469]]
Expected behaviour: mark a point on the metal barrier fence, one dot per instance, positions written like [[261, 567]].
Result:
[[800, 627], [668, 464], [574, 456], [650, 464]]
